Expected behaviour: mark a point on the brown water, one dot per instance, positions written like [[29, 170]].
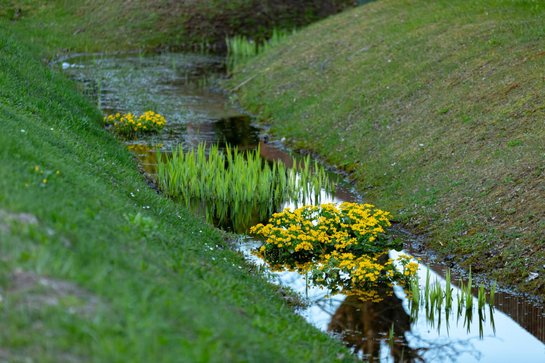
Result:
[[184, 88]]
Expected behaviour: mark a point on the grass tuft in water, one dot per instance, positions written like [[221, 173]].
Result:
[[492, 295], [241, 48], [233, 182]]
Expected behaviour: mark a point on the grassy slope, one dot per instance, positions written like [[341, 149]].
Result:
[[103, 269], [437, 109], [110, 25]]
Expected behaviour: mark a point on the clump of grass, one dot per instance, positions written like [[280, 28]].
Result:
[[427, 288], [391, 336], [231, 183], [492, 295], [241, 48], [415, 298], [468, 294], [481, 297], [448, 292], [278, 36]]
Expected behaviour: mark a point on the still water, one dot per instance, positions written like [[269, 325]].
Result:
[[184, 88]]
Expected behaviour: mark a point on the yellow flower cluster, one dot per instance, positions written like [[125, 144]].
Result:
[[130, 125], [410, 267], [346, 245], [349, 227]]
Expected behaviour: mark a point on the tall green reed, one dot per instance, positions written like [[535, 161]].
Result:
[[241, 48], [229, 183]]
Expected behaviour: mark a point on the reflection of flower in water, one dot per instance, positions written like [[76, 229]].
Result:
[[147, 156], [372, 295], [144, 148], [364, 325]]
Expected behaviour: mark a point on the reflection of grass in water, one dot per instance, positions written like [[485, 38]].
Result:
[[234, 216], [433, 296], [235, 184]]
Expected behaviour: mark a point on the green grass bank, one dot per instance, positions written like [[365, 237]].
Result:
[[97, 267], [111, 25], [436, 109]]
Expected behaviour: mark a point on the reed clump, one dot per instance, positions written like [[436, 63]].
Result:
[[241, 48], [232, 182]]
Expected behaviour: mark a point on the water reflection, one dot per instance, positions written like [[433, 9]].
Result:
[[235, 131], [179, 86], [383, 330], [231, 217], [368, 326]]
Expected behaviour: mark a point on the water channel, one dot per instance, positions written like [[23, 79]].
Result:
[[184, 88]]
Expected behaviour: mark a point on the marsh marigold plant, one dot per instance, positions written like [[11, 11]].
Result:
[[131, 125], [344, 247]]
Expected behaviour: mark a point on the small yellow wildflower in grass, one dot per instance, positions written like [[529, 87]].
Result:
[[345, 244], [44, 175], [130, 125]]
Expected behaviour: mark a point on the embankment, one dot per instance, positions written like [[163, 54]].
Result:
[[94, 265], [113, 25], [436, 109]]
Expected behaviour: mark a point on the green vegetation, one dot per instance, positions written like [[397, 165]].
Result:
[[112, 25], [435, 297], [237, 186], [96, 266], [130, 126], [240, 48], [345, 247], [436, 109]]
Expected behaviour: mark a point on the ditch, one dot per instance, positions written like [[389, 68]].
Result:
[[388, 327]]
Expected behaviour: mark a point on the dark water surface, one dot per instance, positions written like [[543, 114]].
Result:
[[184, 88]]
